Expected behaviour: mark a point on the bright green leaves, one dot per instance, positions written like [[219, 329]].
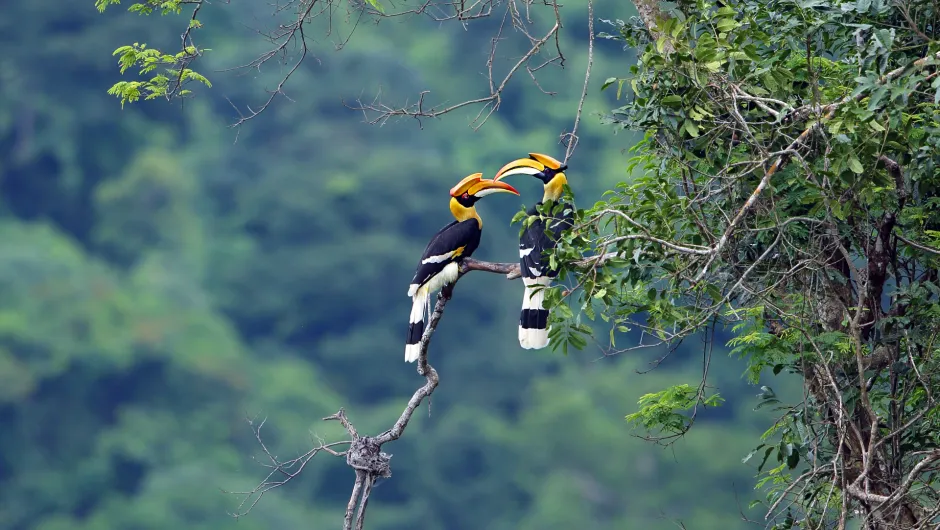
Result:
[[174, 71], [165, 7], [376, 5], [101, 5], [610, 81], [167, 84], [855, 165], [671, 411], [672, 100], [147, 59]]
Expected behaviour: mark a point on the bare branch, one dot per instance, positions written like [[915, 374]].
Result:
[[572, 137], [286, 35], [490, 103], [281, 471], [378, 113], [646, 236], [917, 245]]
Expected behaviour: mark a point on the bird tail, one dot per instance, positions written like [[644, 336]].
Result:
[[533, 322], [416, 323]]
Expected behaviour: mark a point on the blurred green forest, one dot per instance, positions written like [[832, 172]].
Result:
[[160, 282]]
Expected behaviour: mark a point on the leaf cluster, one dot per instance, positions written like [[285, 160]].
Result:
[[785, 195]]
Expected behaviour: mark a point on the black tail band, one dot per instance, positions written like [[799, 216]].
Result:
[[534, 319], [415, 332]]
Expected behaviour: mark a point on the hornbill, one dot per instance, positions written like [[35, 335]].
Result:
[[536, 240], [440, 263]]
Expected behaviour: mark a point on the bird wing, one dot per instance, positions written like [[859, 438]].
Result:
[[536, 240], [456, 240]]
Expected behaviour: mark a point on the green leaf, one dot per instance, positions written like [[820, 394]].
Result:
[[376, 5], [877, 96], [752, 453], [672, 100], [725, 25], [713, 66], [855, 165]]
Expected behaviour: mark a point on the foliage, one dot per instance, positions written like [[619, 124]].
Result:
[[658, 410], [161, 85], [786, 191], [174, 68]]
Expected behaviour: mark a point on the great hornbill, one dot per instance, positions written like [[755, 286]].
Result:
[[536, 240], [440, 263]]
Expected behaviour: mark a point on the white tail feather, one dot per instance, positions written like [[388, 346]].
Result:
[[534, 299], [533, 339], [421, 301], [419, 307], [412, 352]]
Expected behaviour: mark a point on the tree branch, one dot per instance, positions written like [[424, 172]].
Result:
[[572, 137], [917, 245]]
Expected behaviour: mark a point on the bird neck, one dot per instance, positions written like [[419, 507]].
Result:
[[464, 213], [554, 188]]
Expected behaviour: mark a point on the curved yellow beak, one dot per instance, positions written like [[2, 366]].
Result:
[[535, 164], [486, 187], [478, 186]]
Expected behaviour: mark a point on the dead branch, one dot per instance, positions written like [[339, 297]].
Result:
[[281, 471], [284, 36], [571, 139], [378, 113]]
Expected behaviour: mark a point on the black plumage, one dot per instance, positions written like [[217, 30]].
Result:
[[459, 239], [457, 235], [537, 239], [535, 265]]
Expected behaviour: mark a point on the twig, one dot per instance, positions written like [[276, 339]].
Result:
[[917, 245], [573, 135], [491, 102], [288, 36]]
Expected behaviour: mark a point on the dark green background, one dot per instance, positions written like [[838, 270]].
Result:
[[160, 282]]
